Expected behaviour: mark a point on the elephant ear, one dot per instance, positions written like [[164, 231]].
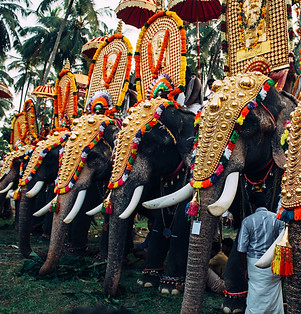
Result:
[[181, 124], [288, 104]]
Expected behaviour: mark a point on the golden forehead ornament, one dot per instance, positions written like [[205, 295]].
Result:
[[139, 117], [7, 165], [291, 180], [218, 119], [85, 130], [37, 156]]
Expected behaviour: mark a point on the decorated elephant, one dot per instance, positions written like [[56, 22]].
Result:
[[10, 173], [239, 132], [41, 171]]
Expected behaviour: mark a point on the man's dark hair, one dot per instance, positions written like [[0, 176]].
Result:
[[216, 247], [258, 199]]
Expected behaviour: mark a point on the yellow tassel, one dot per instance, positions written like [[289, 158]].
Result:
[[282, 263]]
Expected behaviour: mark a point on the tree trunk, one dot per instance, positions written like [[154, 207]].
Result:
[[22, 92], [294, 282], [197, 264], [57, 42]]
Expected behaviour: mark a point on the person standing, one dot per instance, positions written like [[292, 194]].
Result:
[[258, 232]]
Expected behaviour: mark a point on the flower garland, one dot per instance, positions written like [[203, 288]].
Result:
[[193, 207], [179, 22], [136, 141], [156, 69], [242, 24], [113, 71], [62, 141], [22, 136], [84, 156], [58, 106], [29, 104], [126, 81]]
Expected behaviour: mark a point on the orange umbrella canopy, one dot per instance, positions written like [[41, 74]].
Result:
[[43, 92], [196, 10], [135, 12], [90, 47], [81, 83], [5, 92]]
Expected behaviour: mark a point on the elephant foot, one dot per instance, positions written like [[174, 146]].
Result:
[[172, 285], [234, 302], [150, 278]]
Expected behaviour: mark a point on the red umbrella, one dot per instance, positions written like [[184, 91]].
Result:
[[196, 11], [90, 47], [135, 12], [5, 92]]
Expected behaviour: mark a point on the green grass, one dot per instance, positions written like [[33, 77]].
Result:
[[77, 281]]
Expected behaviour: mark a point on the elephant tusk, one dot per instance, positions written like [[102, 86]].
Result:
[[172, 199], [95, 210], [227, 197], [35, 190], [44, 209], [9, 193], [10, 184], [133, 203], [76, 207], [265, 260]]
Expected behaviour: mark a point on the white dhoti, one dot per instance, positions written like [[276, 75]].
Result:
[[264, 290]]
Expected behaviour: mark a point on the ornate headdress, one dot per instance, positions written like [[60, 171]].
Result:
[[65, 98], [109, 75]]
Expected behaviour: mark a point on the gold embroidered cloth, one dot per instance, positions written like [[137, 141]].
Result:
[[218, 118]]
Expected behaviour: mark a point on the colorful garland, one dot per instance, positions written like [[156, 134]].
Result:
[[193, 206], [58, 106], [62, 141], [113, 71], [127, 72], [179, 22], [156, 69], [84, 156], [136, 141]]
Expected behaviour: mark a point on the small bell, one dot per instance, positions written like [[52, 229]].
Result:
[[54, 207], [108, 205], [193, 207]]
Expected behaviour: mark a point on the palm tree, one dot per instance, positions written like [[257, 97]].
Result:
[[9, 24], [210, 57], [85, 8]]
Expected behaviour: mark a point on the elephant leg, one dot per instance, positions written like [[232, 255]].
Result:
[[235, 297], [103, 240], [156, 252], [174, 277], [49, 216]]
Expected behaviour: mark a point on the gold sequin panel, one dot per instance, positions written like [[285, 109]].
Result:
[[85, 129], [218, 119], [69, 107], [41, 145], [291, 180], [140, 115], [11, 156]]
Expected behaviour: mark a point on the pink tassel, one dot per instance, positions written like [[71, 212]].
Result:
[[108, 205], [193, 208]]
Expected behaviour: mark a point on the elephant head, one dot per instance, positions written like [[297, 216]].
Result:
[[86, 159], [40, 171], [249, 145], [155, 138], [10, 171]]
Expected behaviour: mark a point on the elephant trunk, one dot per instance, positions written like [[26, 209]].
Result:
[[25, 223], [198, 259], [115, 256], [58, 232]]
